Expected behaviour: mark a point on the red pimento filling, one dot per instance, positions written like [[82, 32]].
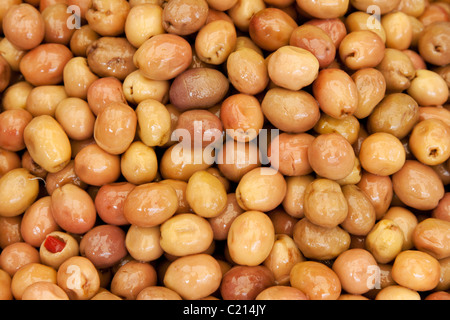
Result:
[[54, 244]]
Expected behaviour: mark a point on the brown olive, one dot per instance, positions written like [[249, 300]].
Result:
[[245, 282], [115, 127], [81, 39], [385, 240], [104, 245], [57, 28], [382, 154], [331, 156], [361, 215], [111, 57], [241, 114], [290, 156], [202, 127], [379, 189], [416, 270], [431, 235], [250, 238], [348, 127], [24, 26], [396, 114], [281, 293], [294, 201], [45, 99], [150, 204], [293, 67], [261, 189], [137, 88], [317, 41], [131, 278], [284, 255], [247, 71], [407, 222], [418, 186], [17, 255], [271, 28], [13, 123], [398, 70], [442, 211], [10, 230], [194, 276], [73, 209], [215, 41], [185, 234], [38, 221], [104, 91], [143, 243], [290, 111], [433, 43], [76, 118], [163, 56], [44, 64], [184, 17], [361, 49], [198, 88], [316, 280], [143, 21], [310, 237], [324, 10], [95, 166], [334, 27], [12, 57], [79, 278], [205, 194], [336, 93], [325, 204], [398, 30], [429, 142], [359, 20], [107, 18], [356, 269]]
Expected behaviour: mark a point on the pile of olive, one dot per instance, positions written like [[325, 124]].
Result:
[[224, 149]]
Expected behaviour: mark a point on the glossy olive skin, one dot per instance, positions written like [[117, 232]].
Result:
[[247, 70], [184, 93], [418, 186], [422, 239], [331, 156], [154, 66], [104, 245], [403, 113], [183, 18], [361, 49], [111, 57], [316, 280], [296, 112], [24, 26], [345, 96], [308, 236], [315, 40], [44, 65], [271, 28], [433, 43], [13, 123], [245, 283], [423, 276]]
